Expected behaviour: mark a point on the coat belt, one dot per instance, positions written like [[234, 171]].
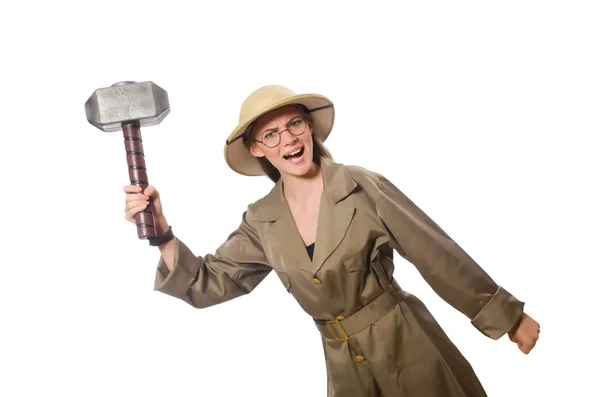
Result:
[[343, 327]]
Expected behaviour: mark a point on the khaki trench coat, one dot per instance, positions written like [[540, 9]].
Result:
[[378, 339]]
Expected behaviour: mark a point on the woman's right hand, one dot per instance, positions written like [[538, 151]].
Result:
[[136, 201]]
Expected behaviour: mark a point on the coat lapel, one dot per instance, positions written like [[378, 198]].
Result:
[[283, 235], [335, 218]]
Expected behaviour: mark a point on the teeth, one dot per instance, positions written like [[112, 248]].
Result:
[[292, 153]]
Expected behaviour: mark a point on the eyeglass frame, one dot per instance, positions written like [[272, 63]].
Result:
[[304, 119], [246, 132]]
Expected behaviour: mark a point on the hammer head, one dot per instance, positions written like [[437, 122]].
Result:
[[127, 102]]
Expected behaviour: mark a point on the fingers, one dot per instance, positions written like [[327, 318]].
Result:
[[132, 189], [526, 334], [135, 193], [136, 197], [135, 201], [526, 345], [152, 192], [525, 348], [130, 213], [132, 207]]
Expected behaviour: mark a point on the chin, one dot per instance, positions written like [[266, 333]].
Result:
[[300, 170]]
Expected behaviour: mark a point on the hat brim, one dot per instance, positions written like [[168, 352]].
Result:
[[239, 158]]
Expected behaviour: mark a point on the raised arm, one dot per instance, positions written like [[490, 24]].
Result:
[[235, 269]]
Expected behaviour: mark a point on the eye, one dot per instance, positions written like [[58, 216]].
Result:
[[295, 122], [268, 134]]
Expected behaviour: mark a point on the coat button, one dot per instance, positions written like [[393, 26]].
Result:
[[359, 359], [316, 281]]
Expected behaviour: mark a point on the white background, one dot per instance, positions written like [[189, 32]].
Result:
[[486, 115]]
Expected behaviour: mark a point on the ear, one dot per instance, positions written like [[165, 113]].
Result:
[[256, 151]]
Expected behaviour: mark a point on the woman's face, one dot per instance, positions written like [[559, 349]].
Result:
[[267, 128]]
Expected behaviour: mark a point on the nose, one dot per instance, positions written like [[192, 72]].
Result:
[[287, 137]]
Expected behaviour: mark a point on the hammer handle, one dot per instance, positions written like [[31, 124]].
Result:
[[144, 220]]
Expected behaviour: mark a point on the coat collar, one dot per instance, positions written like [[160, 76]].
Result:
[[337, 185], [335, 217]]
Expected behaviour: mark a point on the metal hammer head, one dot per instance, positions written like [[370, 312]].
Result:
[[127, 102]]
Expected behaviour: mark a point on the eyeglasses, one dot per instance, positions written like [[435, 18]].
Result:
[[272, 138]]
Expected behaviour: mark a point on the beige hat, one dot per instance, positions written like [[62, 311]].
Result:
[[263, 100]]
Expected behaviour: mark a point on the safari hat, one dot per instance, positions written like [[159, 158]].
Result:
[[262, 101]]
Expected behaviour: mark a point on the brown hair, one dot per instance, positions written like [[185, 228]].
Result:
[[319, 149]]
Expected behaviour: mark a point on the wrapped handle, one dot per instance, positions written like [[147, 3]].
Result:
[[138, 176]]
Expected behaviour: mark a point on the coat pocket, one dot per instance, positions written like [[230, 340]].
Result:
[[359, 260], [285, 279]]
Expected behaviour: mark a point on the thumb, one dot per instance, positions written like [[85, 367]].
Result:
[[151, 192], [525, 348]]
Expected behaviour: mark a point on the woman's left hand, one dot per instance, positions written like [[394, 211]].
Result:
[[526, 334]]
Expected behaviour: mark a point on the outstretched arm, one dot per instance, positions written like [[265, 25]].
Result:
[[446, 267]]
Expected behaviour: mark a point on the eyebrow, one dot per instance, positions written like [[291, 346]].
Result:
[[287, 124]]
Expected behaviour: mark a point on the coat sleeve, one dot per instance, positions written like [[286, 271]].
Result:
[[235, 269], [444, 265]]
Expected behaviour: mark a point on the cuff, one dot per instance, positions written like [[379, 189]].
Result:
[[177, 282], [499, 315]]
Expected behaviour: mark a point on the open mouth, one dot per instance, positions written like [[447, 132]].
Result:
[[296, 156]]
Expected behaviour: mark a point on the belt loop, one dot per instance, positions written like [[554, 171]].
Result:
[[380, 272]]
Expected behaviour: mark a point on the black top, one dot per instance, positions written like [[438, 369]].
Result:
[[310, 249]]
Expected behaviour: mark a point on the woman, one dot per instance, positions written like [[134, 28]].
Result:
[[329, 231]]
